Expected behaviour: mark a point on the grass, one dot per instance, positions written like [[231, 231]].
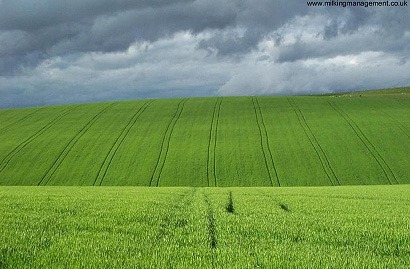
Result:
[[139, 227], [231, 141], [208, 143]]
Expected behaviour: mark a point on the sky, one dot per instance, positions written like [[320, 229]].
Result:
[[82, 51]]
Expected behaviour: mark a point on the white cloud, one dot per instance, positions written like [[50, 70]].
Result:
[[319, 75]]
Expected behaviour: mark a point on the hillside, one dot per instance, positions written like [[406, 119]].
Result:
[[231, 141]]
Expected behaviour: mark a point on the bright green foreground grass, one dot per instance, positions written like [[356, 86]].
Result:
[[362, 138], [137, 227]]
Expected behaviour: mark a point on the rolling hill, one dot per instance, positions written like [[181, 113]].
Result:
[[344, 139]]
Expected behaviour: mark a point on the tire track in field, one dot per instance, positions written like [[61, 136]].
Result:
[[324, 161], [156, 174], [176, 219], [66, 150], [6, 160], [20, 120], [388, 172], [102, 172], [283, 206], [396, 122], [213, 133], [213, 242], [264, 141]]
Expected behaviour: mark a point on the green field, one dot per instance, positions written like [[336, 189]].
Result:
[[346, 139], [246, 182], [141, 227]]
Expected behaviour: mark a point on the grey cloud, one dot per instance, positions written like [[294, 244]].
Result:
[[166, 68], [351, 32], [302, 50], [30, 15], [152, 24], [320, 76], [331, 30], [228, 43], [60, 28], [256, 19], [92, 50]]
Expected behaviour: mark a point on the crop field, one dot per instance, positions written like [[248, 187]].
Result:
[[346, 139], [246, 182], [187, 227]]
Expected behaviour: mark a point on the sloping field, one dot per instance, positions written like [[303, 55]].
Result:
[[231, 141], [139, 227]]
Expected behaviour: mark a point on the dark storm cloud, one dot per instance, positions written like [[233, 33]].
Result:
[[31, 31], [354, 31], [88, 50], [255, 19], [153, 24], [29, 15], [344, 45], [41, 29], [140, 19], [61, 27]]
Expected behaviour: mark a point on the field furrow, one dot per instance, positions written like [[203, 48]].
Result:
[[399, 124], [156, 175], [117, 143], [6, 160], [213, 241], [369, 145], [66, 150], [213, 133], [215, 143], [210, 160], [240, 160], [288, 142], [386, 135], [134, 163], [264, 141], [28, 115], [279, 202], [315, 144], [403, 128], [187, 161], [175, 216]]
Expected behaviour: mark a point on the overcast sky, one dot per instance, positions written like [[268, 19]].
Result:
[[68, 51]]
